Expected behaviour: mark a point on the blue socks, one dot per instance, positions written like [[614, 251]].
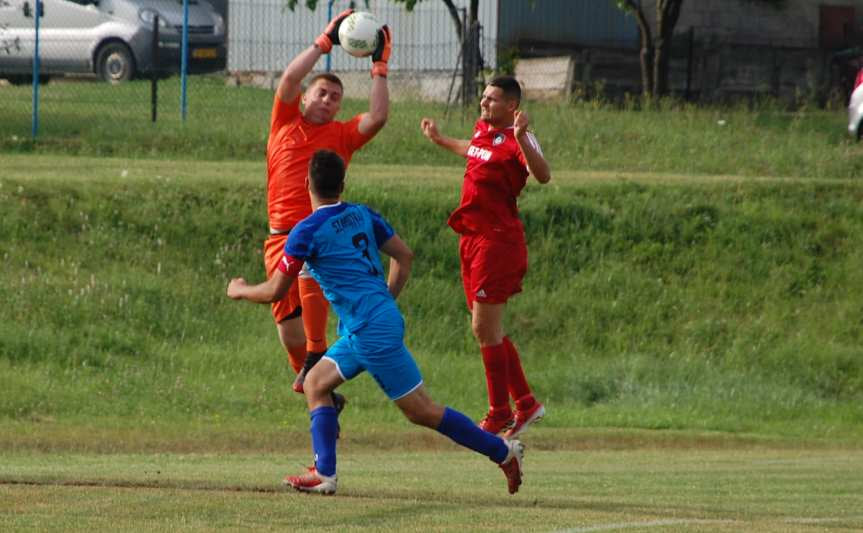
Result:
[[456, 426], [324, 429], [462, 430]]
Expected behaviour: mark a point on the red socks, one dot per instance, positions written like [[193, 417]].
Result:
[[517, 382], [505, 378], [495, 360]]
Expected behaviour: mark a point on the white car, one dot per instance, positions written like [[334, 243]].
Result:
[[855, 111], [111, 38]]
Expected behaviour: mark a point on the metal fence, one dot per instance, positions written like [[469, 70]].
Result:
[[84, 64], [265, 34], [250, 46]]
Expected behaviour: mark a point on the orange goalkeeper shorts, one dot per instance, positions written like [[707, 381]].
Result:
[[291, 305], [304, 291]]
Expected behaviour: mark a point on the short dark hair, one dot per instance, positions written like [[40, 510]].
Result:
[[327, 174], [509, 85], [329, 76]]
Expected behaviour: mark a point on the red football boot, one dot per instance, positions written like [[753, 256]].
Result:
[[311, 481], [494, 422], [525, 418], [511, 466]]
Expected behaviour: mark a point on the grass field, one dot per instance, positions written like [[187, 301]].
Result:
[[230, 123], [574, 489], [697, 340]]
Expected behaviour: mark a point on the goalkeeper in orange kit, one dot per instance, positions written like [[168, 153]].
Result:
[[301, 123]]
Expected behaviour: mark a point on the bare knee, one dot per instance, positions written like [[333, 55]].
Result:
[[487, 323], [316, 387], [485, 333], [478, 333]]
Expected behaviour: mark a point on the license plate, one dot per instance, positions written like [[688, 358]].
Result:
[[205, 53]]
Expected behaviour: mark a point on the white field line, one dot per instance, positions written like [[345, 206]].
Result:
[[696, 521], [651, 523], [825, 520]]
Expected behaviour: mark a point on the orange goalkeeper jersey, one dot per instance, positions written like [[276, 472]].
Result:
[[291, 145]]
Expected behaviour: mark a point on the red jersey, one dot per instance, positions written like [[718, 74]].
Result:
[[495, 174], [292, 142]]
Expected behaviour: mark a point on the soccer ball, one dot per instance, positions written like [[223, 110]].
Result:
[[358, 34]]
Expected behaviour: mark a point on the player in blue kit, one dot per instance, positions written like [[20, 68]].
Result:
[[339, 243]]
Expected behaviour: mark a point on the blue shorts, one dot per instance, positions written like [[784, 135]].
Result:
[[379, 348]]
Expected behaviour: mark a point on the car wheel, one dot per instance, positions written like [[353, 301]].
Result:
[[114, 63]]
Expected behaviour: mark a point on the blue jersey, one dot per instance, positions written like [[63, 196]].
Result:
[[339, 244]]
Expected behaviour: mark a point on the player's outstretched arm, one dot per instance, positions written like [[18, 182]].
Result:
[[290, 84], [401, 258], [456, 146], [292, 78], [272, 290], [379, 99], [536, 163]]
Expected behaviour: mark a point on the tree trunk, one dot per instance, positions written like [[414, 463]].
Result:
[[456, 19], [655, 50], [660, 66], [471, 55], [646, 55], [667, 13], [647, 65], [473, 18], [472, 61]]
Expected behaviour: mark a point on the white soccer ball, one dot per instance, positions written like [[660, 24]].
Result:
[[358, 34]]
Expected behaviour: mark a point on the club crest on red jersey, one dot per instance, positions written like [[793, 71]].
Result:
[[498, 139]]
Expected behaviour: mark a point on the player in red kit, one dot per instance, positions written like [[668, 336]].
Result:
[[500, 156]]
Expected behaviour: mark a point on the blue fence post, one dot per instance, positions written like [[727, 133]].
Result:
[[329, 18], [184, 60], [36, 69]]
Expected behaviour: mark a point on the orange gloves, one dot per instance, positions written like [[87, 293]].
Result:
[[330, 35], [382, 53]]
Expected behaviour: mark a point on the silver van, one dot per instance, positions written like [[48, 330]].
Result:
[[111, 38]]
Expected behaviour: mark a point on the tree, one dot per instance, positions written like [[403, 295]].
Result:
[[472, 13], [655, 44], [654, 47], [471, 55]]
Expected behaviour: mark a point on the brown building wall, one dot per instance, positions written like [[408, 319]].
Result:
[[797, 24], [726, 49]]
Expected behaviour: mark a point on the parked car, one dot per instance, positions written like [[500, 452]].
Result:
[[111, 38], [855, 108]]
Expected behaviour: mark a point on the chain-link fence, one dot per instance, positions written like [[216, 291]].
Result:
[[116, 63], [112, 66]]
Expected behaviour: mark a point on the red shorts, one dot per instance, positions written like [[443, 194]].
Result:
[[491, 271]]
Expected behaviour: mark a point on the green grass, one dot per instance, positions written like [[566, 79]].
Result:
[[230, 123], [696, 340], [691, 318], [652, 301], [696, 489]]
